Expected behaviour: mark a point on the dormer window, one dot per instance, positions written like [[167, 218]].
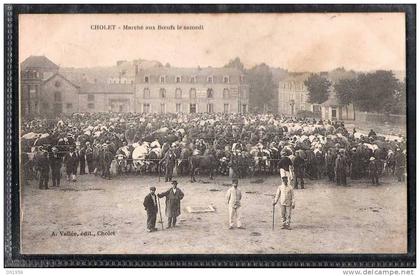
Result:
[[226, 79], [178, 79], [193, 79], [210, 79], [146, 79], [162, 79]]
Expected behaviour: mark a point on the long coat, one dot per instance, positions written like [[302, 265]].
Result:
[[173, 202]]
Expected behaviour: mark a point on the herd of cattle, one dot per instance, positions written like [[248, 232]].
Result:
[[255, 143]]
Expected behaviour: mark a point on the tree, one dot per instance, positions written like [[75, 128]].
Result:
[[318, 88], [262, 89], [376, 91], [346, 89], [235, 63]]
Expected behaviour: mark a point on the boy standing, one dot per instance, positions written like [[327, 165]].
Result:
[[287, 202]]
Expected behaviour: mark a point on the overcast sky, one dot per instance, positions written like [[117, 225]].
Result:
[[297, 42]]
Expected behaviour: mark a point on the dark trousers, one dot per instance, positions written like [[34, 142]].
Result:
[[151, 220], [55, 176], [43, 179], [302, 183], [375, 178], [171, 221], [169, 170], [341, 178], [82, 167], [90, 166], [106, 173]]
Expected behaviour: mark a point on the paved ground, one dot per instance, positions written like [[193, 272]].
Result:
[[327, 219]]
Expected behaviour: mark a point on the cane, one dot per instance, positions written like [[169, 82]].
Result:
[[160, 213], [158, 172], [274, 208]]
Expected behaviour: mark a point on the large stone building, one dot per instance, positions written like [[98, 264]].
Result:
[[33, 72], [186, 90], [130, 86], [293, 95]]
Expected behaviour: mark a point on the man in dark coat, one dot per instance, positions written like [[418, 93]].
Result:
[[374, 168], [55, 164], [173, 203], [400, 163], [107, 159], [42, 164], [340, 170], [169, 163], [299, 170], [71, 161], [151, 207]]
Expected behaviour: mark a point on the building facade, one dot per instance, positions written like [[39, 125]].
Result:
[[184, 90], [293, 95], [136, 86]]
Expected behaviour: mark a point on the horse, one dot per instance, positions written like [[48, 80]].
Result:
[[183, 161], [204, 162]]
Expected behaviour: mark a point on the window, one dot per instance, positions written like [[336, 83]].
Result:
[[69, 105], [193, 79], [242, 78], [32, 89], [146, 108], [57, 96], [162, 79], [178, 79], [210, 108], [146, 93], [225, 93], [57, 84], [178, 107], [91, 97], [58, 108], [162, 108], [226, 108], [226, 79], [244, 108], [146, 79], [193, 93], [178, 93], [210, 93], [210, 79], [162, 93]]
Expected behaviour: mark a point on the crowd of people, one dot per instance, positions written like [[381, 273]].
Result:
[[238, 145]]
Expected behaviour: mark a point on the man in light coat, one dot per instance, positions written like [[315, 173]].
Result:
[[233, 197], [287, 202]]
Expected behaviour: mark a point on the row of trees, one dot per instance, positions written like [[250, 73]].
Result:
[[378, 91]]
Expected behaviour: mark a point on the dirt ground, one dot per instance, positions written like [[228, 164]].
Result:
[[327, 218]]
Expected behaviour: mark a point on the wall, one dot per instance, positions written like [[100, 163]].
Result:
[[69, 96], [380, 118]]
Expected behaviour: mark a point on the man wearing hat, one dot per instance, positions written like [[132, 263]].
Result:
[[173, 203], [42, 165], [169, 163], [151, 207], [71, 160], [287, 202], [374, 168], [340, 169], [233, 197], [55, 164]]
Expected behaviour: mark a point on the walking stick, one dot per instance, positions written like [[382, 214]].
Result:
[[160, 213], [274, 208], [158, 172]]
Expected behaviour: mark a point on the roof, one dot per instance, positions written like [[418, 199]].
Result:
[[196, 71], [296, 77], [332, 101], [39, 62], [62, 77], [106, 88]]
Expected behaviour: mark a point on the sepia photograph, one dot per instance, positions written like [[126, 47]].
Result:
[[213, 133]]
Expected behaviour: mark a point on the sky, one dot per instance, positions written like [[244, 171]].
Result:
[[296, 42]]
